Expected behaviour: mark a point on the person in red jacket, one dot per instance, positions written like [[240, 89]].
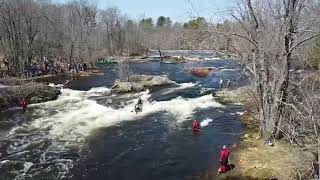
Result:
[[223, 157], [195, 126], [24, 104]]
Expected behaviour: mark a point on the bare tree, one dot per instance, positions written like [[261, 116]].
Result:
[[123, 69], [303, 122], [272, 32]]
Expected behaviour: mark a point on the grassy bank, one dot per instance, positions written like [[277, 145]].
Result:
[[255, 160]]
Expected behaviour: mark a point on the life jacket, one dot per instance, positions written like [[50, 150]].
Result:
[[195, 126], [224, 154], [23, 104]]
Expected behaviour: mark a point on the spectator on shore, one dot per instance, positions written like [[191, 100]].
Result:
[[228, 83], [23, 104], [224, 158], [46, 65], [220, 84], [80, 67], [91, 66], [85, 66], [33, 69], [6, 63], [76, 68]]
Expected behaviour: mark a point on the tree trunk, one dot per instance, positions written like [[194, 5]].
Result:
[[288, 41], [71, 54], [318, 147], [160, 53]]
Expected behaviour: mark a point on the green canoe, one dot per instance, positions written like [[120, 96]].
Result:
[[106, 61]]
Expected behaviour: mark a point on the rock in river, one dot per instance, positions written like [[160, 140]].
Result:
[[34, 93], [203, 71], [138, 83]]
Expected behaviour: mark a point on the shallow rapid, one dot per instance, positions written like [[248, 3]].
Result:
[[89, 133]]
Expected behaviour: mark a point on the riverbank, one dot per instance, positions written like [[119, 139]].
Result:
[[255, 160], [49, 78], [169, 57], [35, 89], [10, 96]]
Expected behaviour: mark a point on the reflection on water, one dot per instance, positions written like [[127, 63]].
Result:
[[89, 134]]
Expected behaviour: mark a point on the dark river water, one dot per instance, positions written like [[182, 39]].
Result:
[[91, 135]]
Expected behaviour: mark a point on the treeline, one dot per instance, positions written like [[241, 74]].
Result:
[[31, 32], [34, 31]]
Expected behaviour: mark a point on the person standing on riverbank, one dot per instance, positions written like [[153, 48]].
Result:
[[46, 65], [85, 67], [24, 104], [6, 63], [228, 83], [220, 84], [224, 158]]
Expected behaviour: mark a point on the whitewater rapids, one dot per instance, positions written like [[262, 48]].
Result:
[[66, 123], [74, 115]]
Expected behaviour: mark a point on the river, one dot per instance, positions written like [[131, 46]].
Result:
[[88, 134]]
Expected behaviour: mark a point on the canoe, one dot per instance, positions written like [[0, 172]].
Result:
[[106, 61]]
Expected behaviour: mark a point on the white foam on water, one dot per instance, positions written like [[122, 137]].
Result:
[[211, 58], [187, 85], [79, 116], [98, 90], [55, 85], [241, 113], [27, 166], [205, 122], [225, 69], [180, 87]]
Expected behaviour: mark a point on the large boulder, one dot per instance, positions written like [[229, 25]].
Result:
[[140, 78], [239, 95], [203, 71], [34, 93], [137, 87], [139, 83], [156, 81], [123, 87]]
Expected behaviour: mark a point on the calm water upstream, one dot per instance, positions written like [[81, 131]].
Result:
[[87, 134]]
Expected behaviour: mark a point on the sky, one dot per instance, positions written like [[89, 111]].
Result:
[[177, 10]]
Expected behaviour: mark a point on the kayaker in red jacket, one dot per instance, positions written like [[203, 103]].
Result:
[[223, 157], [195, 127]]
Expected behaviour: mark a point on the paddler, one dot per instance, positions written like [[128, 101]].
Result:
[[195, 126], [138, 106]]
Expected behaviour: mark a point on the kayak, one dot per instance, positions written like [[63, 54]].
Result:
[[106, 61], [138, 108]]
